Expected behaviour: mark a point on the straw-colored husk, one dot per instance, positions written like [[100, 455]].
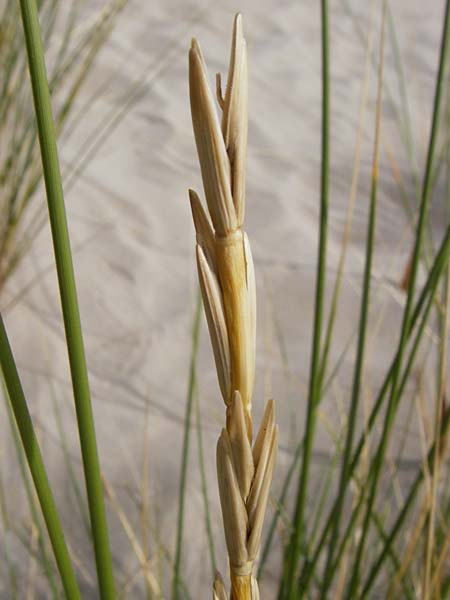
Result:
[[227, 281], [219, 591]]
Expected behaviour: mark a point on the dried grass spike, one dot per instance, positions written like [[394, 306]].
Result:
[[212, 301], [227, 281], [212, 154]]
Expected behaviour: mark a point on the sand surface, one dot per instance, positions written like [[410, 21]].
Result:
[[133, 240]]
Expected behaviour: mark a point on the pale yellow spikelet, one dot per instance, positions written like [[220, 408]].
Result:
[[219, 591], [227, 281], [203, 229], [238, 470], [240, 445], [264, 456], [257, 502], [255, 589], [212, 154], [233, 508], [215, 316], [235, 117], [266, 424]]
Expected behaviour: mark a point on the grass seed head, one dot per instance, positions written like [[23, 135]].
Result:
[[222, 152], [227, 281]]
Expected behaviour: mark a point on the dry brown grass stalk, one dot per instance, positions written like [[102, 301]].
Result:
[[227, 281]]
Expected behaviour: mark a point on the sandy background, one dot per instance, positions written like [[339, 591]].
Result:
[[134, 252]]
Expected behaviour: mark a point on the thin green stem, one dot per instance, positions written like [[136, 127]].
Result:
[[279, 508], [405, 508], [36, 465], [292, 554], [68, 294], [363, 321], [363, 493], [349, 216], [428, 292], [393, 400], [34, 510], [433, 276], [185, 450]]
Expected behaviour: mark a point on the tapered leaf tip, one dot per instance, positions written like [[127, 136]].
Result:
[[238, 21]]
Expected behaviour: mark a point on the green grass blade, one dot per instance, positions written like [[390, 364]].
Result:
[[433, 276], [349, 214], [363, 323], [43, 556], [423, 215], [66, 280], [36, 465], [363, 496], [426, 300], [322, 497], [279, 508], [405, 510], [292, 554], [395, 559], [280, 502], [185, 451]]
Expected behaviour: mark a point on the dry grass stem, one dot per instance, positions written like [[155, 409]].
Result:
[[227, 281]]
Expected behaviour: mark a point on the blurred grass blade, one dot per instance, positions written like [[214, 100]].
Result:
[[185, 451], [36, 465], [68, 295], [288, 588]]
